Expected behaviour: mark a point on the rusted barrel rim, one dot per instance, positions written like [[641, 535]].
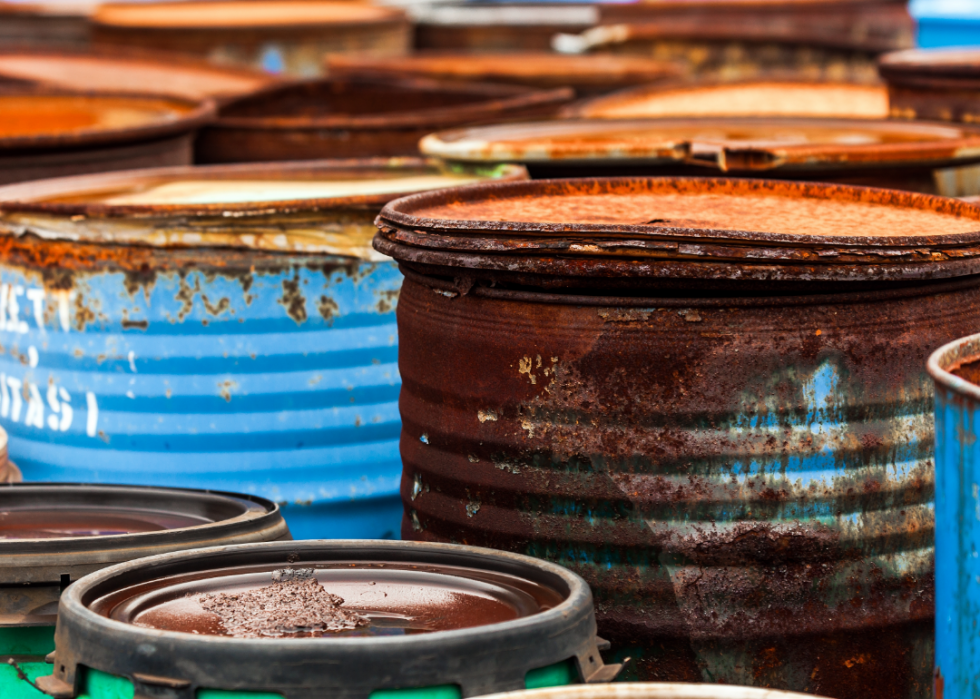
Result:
[[400, 211], [480, 143], [915, 63], [201, 113], [957, 352], [652, 690], [77, 598], [497, 98], [16, 198]]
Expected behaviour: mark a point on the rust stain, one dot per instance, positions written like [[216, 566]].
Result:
[[293, 300]]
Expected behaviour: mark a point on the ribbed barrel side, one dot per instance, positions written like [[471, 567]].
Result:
[[252, 372], [747, 484]]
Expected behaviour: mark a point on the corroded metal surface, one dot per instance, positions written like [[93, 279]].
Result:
[[933, 84], [39, 25], [223, 327], [361, 117], [953, 367], [644, 690], [282, 36], [745, 478], [757, 98], [53, 132], [493, 27], [828, 43], [920, 156], [132, 70], [585, 74]]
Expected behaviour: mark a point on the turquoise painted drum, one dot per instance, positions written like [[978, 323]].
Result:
[[956, 370], [226, 328]]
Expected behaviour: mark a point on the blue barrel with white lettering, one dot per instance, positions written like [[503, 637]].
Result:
[[955, 369], [225, 327]]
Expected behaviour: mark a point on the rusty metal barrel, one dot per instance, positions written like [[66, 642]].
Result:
[[933, 84], [361, 117], [587, 75], [771, 97], [225, 327], [929, 157], [707, 397], [55, 133], [280, 36]]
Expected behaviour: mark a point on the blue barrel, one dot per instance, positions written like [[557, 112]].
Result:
[[956, 370], [225, 328]]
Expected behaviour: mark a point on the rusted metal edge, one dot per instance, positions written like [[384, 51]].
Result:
[[479, 144], [199, 114], [498, 97], [452, 287], [17, 198], [951, 355], [916, 62], [400, 213]]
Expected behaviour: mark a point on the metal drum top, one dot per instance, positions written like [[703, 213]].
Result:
[[122, 71], [651, 690], [586, 74], [933, 84], [636, 231], [931, 63], [760, 98], [479, 619], [49, 120]]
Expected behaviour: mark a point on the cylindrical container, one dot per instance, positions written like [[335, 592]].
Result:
[[360, 117], [53, 534], [954, 368], [344, 619], [652, 690], [708, 397], [279, 36], [494, 27], [933, 84], [128, 71], [40, 24], [716, 45], [47, 134], [222, 327], [918, 156], [9, 473], [754, 98], [587, 75]]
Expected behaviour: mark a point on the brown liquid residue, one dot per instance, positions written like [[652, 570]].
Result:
[[970, 371], [56, 115], [58, 523], [337, 599]]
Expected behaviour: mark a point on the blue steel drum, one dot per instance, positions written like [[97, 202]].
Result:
[[226, 328], [956, 370]]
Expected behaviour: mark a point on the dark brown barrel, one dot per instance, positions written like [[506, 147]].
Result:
[[714, 42], [708, 397], [290, 36], [494, 27], [360, 117], [757, 98], [933, 84], [587, 75], [48, 134], [926, 157], [39, 25], [127, 71]]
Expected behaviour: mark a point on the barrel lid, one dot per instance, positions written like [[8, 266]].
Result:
[[280, 207], [128, 71], [759, 98], [42, 120], [686, 228], [725, 143], [526, 68], [241, 14], [940, 63]]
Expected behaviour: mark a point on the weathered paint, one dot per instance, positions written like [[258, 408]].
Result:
[[247, 346], [957, 674], [739, 463]]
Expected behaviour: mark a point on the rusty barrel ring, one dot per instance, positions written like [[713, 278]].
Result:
[[962, 350], [483, 659]]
